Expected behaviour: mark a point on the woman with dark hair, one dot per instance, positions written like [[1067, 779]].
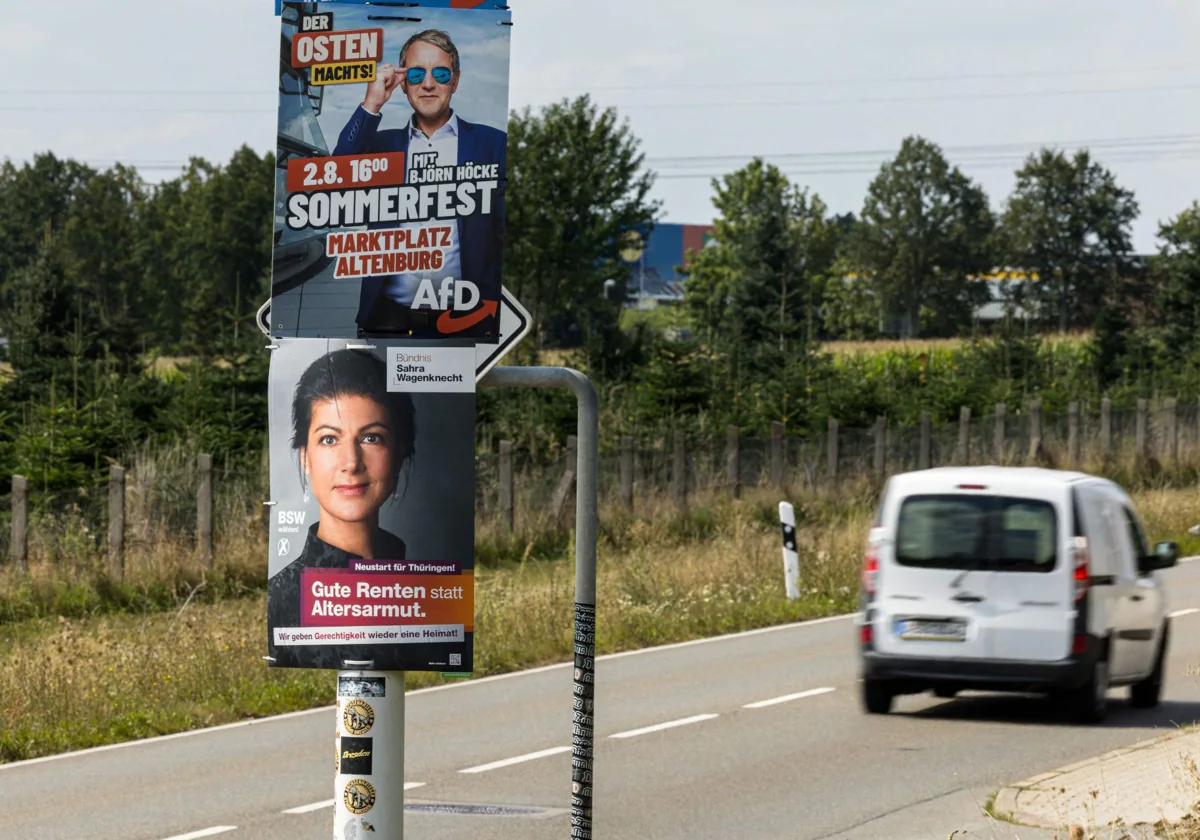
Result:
[[352, 438]]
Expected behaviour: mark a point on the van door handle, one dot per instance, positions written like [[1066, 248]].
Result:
[[1135, 597], [974, 599]]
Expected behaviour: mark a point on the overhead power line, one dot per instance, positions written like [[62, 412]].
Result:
[[671, 106], [704, 85], [857, 161], [995, 162], [1146, 142]]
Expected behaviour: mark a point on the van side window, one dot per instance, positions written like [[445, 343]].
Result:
[[1136, 537]]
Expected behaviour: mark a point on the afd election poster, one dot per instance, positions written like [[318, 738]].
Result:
[[391, 171], [371, 555]]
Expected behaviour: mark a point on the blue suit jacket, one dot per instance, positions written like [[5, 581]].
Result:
[[481, 238]]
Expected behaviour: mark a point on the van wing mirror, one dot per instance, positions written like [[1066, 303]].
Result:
[[1166, 555]]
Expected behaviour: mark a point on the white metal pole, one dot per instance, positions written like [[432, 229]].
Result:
[[368, 790], [791, 559]]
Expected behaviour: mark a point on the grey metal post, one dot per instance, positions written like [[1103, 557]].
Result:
[[18, 549], [116, 521], [733, 460], [583, 714], [964, 434], [627, 472], [831, 466], [506, 485], [204, 508]]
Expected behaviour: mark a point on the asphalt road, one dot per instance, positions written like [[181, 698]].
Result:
[[810, 765]]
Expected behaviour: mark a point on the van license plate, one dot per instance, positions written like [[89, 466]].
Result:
[[934, 631]]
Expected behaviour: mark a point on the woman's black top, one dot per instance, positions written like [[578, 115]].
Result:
[[283, 600]]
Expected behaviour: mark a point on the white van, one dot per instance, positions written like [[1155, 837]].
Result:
[[1014, 579]]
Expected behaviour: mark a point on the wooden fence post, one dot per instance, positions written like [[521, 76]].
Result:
[[831, 452], [964, 435], [680, 471], [777, 439], [204, 508], [567, 483], [627, 472], [18, 549], [1073, 446], [1170, 430], [1139, 440], [924, 454], [116, 522], [1105, 428], [998, 441], [733, 461], [1036, 449], [880, 445], [506, 485]]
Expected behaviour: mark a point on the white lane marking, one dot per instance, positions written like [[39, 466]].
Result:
[[658, 727], [411, 785], [308, 809], [1182, 613], [788, 697], [207, 832], [1189, 559], [482, 680], [508, 762]]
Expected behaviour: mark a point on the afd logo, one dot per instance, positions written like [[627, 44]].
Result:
[[462, 295], [292, 517]]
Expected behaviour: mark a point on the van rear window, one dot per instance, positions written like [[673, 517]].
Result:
[[967, 531]]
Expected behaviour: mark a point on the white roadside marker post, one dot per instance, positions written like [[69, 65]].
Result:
[[368, 789], [791, 559]]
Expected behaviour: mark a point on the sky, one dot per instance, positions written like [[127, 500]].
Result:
[[827, 91]]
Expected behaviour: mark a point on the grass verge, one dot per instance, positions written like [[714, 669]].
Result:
[[71, 683]]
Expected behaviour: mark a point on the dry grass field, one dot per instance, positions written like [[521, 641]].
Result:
[[663, 577]]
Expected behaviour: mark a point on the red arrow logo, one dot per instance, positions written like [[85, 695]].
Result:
[[447, 323]]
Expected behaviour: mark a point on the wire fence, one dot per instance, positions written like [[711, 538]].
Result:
[[170, 497]]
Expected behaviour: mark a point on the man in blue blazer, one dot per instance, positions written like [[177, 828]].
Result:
[[429, 74]]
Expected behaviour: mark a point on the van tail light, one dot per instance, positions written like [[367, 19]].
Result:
[[870, 568], [865, 634], [1079, 554], [1079, 646]]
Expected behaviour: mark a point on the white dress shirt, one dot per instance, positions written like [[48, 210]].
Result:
[[403, 287]]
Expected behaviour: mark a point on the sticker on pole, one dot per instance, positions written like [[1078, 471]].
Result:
[[371, 562], [392, 164]]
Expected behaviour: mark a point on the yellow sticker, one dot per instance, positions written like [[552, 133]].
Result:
[[359, 717], [342, 74], [359, 796]]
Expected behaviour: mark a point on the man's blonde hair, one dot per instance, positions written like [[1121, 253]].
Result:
[[439, 39]]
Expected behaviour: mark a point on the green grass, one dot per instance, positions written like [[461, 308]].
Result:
[[663, 577]]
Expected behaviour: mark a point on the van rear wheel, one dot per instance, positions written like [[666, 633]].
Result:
[[1089, 702], [877, 696], [1144, 695]]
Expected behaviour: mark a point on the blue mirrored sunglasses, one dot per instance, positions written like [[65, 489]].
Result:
[[416, 75]]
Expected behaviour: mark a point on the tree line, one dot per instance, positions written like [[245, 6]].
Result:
[[128, 306]]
